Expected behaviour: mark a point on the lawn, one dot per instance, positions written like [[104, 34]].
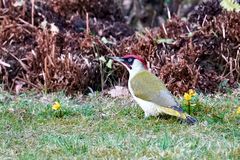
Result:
[[100, 127]]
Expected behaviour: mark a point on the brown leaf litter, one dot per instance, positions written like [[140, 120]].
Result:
[[56, 46]]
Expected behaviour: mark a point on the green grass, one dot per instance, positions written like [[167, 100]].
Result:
[[99, 127]]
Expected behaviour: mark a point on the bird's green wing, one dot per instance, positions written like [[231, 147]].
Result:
[[147, 86]]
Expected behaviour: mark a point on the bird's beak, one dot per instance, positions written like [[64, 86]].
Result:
[[121, 61], [118, 59]]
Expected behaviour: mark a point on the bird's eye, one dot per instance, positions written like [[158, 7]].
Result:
[[130, 59]]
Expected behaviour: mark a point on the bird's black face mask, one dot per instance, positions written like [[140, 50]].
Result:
[[128, 61]]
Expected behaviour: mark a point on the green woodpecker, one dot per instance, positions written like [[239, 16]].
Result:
[[149, 91]]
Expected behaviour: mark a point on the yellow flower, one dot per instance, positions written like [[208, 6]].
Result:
[[187, 96], [238, 110], [192, 92], [56, 106]]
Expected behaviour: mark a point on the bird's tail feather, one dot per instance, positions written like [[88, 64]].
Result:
[[190, 120]]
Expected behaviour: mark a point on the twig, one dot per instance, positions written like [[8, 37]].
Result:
[[153, 17], [25, 22], [224, 71], [4, 4], [4, 63], [229, 73], [45, 73], [87, 24], [188, 29], [33, 1], [22, 64], [223, 30], [225, 58], [28, 83], [168, 13], [237, 60], [204, 20], [102, 76], [10, 37], [164, 29], [49, 58], [53, 50], [237, 64], [231, 67]]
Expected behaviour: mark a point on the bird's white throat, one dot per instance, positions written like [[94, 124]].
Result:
[[136, 67]]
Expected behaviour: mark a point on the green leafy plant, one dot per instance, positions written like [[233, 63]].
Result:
[[190, 100], [105, 70], [57, 109], [238, 113], [230, 5]]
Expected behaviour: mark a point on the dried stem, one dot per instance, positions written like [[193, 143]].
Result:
[[33, 2], [24, 66], [4, 63], [87, 24], [31, 84]]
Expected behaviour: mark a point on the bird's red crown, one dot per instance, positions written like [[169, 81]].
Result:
[[136, 57]]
